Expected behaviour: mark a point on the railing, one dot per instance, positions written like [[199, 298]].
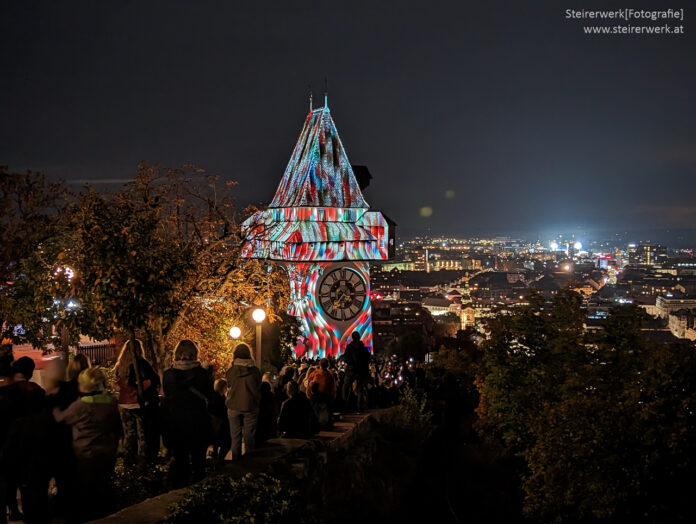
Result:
[[99, 354]]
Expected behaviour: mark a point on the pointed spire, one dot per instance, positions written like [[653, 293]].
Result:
[[326, 93], [319, 173], [311, 97]]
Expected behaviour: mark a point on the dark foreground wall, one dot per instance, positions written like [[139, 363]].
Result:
[[358, 471]]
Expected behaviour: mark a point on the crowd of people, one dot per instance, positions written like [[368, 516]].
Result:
[[65, 437]]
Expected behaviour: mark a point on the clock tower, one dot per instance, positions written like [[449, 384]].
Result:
[[323, 231]]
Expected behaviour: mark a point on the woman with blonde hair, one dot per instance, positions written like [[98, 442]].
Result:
[[188, 390], [138, 401]]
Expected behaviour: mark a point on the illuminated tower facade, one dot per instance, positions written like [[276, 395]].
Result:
[[322, 230]]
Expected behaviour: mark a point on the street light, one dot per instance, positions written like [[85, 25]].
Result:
[[259, 315], [235, 332]]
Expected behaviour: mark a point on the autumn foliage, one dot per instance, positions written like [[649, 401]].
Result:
[[159, 259]]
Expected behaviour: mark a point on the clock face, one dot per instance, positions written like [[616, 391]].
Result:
[[342, 294]]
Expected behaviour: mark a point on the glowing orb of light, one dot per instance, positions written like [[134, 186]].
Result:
[[426, 211], [235, 332], [554, 245], [578, 246], [259, 315]]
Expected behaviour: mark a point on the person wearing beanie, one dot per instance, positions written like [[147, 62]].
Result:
[[96, 430], [188, 390], [243, 384]]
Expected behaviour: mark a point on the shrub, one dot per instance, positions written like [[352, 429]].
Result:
[[253, 498], [414, 412]]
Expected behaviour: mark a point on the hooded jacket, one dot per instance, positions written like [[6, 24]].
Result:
[[96, 425], [243, 383]]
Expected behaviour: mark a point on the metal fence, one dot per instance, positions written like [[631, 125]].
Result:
[[99, 354]]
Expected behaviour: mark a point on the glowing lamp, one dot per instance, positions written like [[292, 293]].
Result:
[[235, 332], [259, 315]]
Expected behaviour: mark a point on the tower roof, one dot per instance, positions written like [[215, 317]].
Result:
[[319, 173]]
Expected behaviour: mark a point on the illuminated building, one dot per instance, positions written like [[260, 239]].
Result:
[[646, 254], [468, 317], [321, 229], [440, 306], [666, 305], [682, 323]]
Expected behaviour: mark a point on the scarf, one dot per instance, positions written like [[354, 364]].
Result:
[[245, 362], [185, 365]]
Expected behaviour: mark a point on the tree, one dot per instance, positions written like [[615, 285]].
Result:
[[603, 424], [34, 289], [161, 258], [410, 344], [128, 271], [288, 335]]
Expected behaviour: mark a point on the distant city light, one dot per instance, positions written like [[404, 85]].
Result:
[[578, 246], [449, 193], [554, 245]]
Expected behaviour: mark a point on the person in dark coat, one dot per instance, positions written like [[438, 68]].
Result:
[[220, 422], [357, 359], [267, 426], [297, 418], [30, 403], [243, 383], [188, 390], [96, 430], [9, 400]]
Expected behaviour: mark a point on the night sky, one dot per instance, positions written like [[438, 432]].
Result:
[[532, 124]]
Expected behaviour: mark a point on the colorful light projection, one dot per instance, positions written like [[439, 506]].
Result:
[[319, 173], [329, 234], [319, 221], [323, 336]]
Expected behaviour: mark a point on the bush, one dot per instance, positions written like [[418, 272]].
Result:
[[414, 412], [134, 483], [253, 498]]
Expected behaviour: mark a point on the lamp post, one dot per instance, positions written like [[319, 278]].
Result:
[[259, 315]]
